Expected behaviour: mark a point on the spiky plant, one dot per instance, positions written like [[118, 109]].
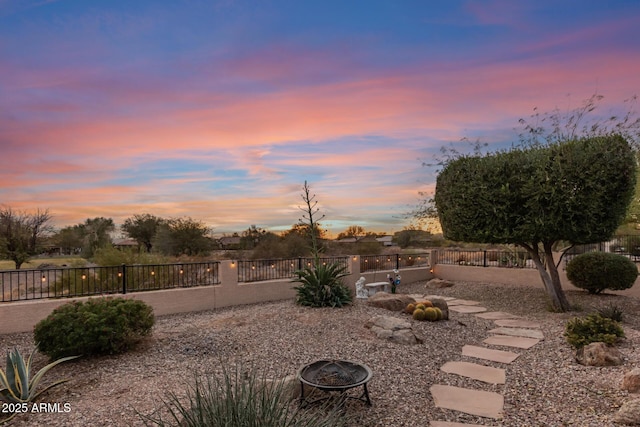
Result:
[[321, 286], [18, 384]]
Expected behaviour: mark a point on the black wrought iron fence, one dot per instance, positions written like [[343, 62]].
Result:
[[486, 258], [61, 282], [391, 262], [274, 269]]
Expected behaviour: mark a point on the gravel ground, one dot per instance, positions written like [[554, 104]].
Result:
[[545, 386]]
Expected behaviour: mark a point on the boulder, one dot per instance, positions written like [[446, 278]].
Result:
[[598, 354], [439, 283], [631, 381], [393, 329], [629, 413], [442, 305], [393, 302]]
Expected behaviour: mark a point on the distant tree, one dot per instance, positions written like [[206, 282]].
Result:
[[353, 231], [142, 228], [96, 234], [21, 233], [575, 191], [183, 236], [253, 236], [69, 239], [411, 236]]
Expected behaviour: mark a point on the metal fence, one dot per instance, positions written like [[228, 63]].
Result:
[[391, 262], [273, 269], [17, 285], [486, 258]]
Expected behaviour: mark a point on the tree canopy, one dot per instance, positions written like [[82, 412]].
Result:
[[143, 229], [21, 233], [576, 191]]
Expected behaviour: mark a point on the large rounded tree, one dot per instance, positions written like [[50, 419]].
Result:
[[576, 191]]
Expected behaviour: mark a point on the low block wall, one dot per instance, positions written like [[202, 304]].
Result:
[[510, 276], [22, 316]]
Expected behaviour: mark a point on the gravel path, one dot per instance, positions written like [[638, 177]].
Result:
[[544, 387]]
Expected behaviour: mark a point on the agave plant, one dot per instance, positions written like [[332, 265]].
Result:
[[17, 384], [321, 286]]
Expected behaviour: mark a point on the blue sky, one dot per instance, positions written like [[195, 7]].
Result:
[[220, 110]]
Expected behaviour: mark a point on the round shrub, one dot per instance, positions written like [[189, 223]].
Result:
[[597, 271], [97, 326], [418, 314], [431, 314], [593, 328]]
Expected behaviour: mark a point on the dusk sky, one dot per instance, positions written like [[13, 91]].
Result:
[[220, 110]]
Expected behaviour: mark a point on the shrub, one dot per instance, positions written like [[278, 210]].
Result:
[[597, 271], [97, 326], [593, 328], [612, 312], [321, 286], [239, 399]]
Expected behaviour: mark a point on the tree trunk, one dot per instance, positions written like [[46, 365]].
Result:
[[550, 277]]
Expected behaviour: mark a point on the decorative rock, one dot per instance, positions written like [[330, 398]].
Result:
[[598, 354], [393, 302], [442, 305], [392, 329], [629, 413], [631, 381], [439, 283]]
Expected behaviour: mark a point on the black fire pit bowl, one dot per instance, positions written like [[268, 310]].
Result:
[[335, 375]]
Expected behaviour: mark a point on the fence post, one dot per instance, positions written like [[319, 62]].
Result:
[[397, 261], [124, 278], [484, 260]]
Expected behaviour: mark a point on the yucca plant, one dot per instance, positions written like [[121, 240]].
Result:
[[18, 386], [321, 286]]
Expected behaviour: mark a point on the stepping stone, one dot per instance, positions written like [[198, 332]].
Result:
[[494, 315], [456, 301], [475, 402], [467, 309], [517, 323], [518, 332], [430, 297], [474, 371], [500, 356], [450, 424], [519, 342]]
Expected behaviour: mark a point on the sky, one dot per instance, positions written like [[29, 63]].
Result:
[[220, 110]]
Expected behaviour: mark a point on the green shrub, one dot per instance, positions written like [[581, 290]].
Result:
[[321, 286], [97, 326], [239, 399], [593, 328], [597, 271]]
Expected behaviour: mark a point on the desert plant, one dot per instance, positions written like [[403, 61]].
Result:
[[612, 312], [438, 313], [418, 314], [321, 286], [593, 328], [97, 326], [597, 271], [240, 399], [18, 383], [431, 314]]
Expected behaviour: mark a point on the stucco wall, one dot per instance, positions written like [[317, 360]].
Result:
[[22, 316]]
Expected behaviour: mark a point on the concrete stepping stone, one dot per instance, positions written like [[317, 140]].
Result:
[[509, 341], [430, 297], [499, 356], [495, 315], [456, 301], [475, 402], [450, 424], [467, 309], [518, 332], [517, 323], [474, 371]]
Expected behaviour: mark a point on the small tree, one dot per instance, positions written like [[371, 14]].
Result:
[[183, 236], [142, 228], [21, 233], [575, 191]]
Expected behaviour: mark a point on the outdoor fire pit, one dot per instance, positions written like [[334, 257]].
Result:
[[335, 375]]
